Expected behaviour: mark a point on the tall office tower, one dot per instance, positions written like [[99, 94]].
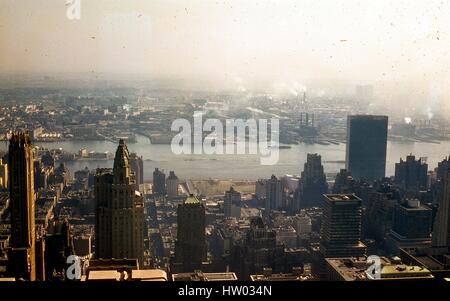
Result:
[[232, 203], [341, 226], [22, 260], [313, 183], [172, 185], [3, 175], [411, 175], [441, 229], [190, 247], [137, 166], [366, 146], [159, 182], [344, 183], [119, 211], [274, 194]]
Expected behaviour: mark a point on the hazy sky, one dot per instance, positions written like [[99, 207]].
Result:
[[234, 40]]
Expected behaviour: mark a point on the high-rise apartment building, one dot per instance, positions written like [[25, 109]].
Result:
[[274, 194], [411, 175]]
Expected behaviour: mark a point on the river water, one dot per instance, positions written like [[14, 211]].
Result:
[[240, 167]]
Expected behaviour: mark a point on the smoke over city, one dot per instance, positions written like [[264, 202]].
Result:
[[401, 47]]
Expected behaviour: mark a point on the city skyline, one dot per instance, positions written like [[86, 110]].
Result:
[[243, 142]]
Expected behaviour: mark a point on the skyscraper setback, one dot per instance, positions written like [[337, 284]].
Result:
[[366, 146], [22, 261], [312, 184], [119, 210]]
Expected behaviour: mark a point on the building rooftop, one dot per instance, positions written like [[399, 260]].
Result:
[[191, 200], [341, 197], [134, 275], [200, 276], [149, 275], [280, 277], [354, 269], [111, 275]]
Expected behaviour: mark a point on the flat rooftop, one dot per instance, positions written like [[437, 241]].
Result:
[[226, 276], [149, 275], [341, 197]]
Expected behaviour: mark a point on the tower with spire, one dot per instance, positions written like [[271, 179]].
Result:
[[119, 210]]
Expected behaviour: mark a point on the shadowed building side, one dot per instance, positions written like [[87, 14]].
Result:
[[22, 256]]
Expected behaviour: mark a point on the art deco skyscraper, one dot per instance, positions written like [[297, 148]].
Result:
[[190, 248], [119, 210], [366, 146], [22, 256], [313, 183]]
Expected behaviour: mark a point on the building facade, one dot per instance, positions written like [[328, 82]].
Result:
[[119, 211], [190, 247], [366, 146], [22, 256]]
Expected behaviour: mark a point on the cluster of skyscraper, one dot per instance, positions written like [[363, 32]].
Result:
[[399, 213]]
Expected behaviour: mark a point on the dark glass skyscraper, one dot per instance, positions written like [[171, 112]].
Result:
[[366, 146]]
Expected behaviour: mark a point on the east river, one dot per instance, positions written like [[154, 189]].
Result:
[[240, 167]]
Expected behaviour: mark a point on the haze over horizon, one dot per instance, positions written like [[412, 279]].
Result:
[[237, 43]]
